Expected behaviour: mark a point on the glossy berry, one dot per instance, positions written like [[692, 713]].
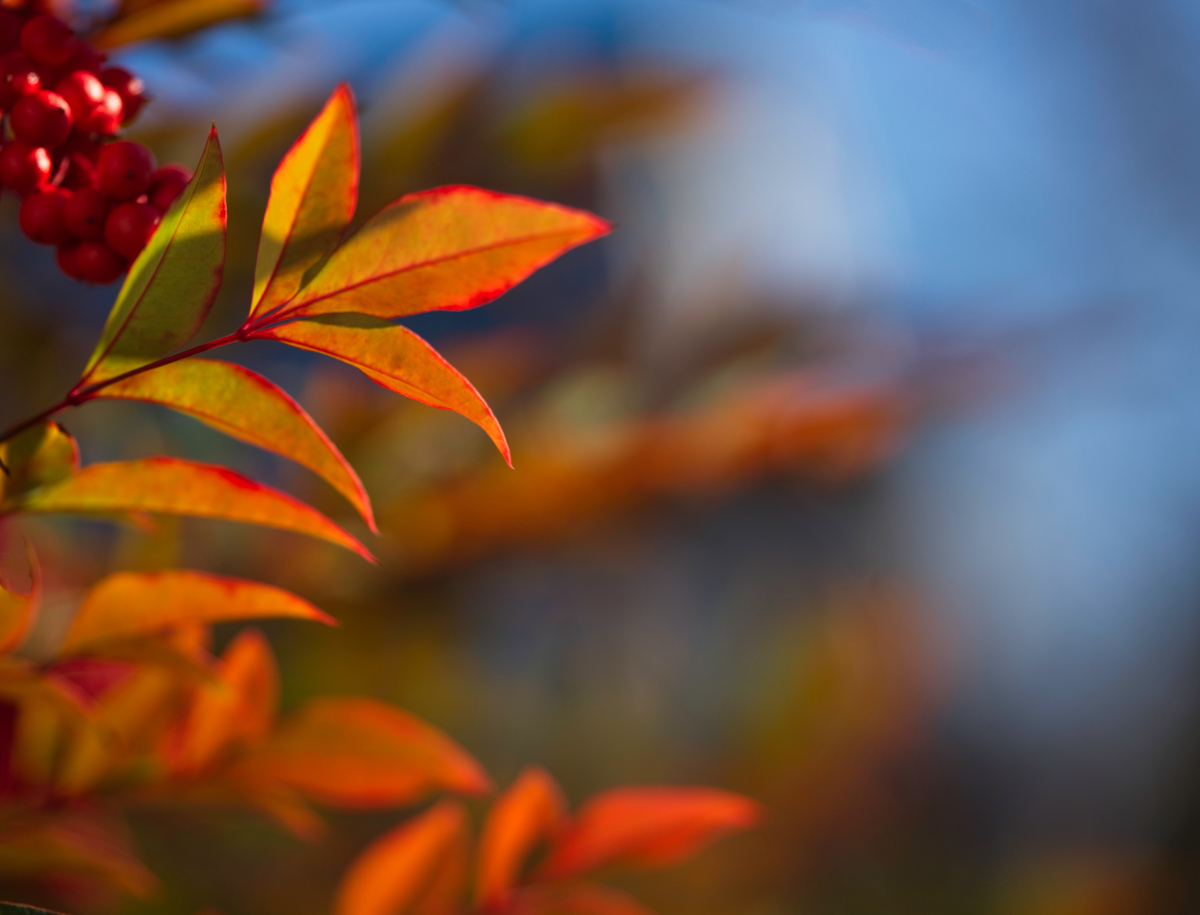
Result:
[[68, 260], [97, 262], [10, 30], [83, 92], [168, 183], [18, 78], [84, 213], [124, 169], [104, 118], [80, 173], [41, 119], [129, 87], [129, 227], [42, 216], [47, 40], [24, 168]]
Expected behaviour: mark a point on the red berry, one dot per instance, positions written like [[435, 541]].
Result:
[[98, 263], [167, 184], [41, 119], [24, 168], [83, 92], [18, 78], [10, 30], [129, 227], [47, 40], [85, 212], [124, 169], [68, 261], [85, 57], [131, 89], [104, 118], [42, 216]]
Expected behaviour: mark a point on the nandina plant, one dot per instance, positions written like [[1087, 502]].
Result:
[[135, 708]]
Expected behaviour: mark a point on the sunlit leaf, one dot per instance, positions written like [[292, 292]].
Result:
[[129, 604], [448, 248], [646, 827], [172, 284], [396, 358], [177, 487], [238, 708], [411, 869], [313, 194], [18, 611], [353, 752], [39, 456], [243, 404], [575, 899], [530, 811], [172, 18]]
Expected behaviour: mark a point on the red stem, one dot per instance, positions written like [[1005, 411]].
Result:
[[82, 393]]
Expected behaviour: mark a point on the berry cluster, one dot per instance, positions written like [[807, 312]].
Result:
[[96, 198]]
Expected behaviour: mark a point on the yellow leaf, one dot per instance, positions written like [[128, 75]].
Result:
[[313, 194], [448, 248], [396, 358], [243, 404], [177, 487], [18, 611], [41, 455], [128, 604]]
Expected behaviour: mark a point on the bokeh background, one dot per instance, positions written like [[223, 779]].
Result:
[[857, 471]]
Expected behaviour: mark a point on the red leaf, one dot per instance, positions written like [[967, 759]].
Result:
[[646, 828]]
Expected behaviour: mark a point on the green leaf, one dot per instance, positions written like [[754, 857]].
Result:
[[172, 284], [39, 456]]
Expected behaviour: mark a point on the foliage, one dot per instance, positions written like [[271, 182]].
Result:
[[135, 708]]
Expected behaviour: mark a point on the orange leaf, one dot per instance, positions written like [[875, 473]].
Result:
[[646, 827], [313, 194], [238, 708], [130, 604], [447, 248], [363, 753], [396, 358], [177, 487], [173, 282], [18, 611], [531, 810], [243, 404], [410, 869], [576, 899]]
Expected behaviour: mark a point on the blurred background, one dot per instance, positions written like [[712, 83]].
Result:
[[858, 470]]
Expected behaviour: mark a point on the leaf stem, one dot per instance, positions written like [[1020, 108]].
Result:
[[82, 393]]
